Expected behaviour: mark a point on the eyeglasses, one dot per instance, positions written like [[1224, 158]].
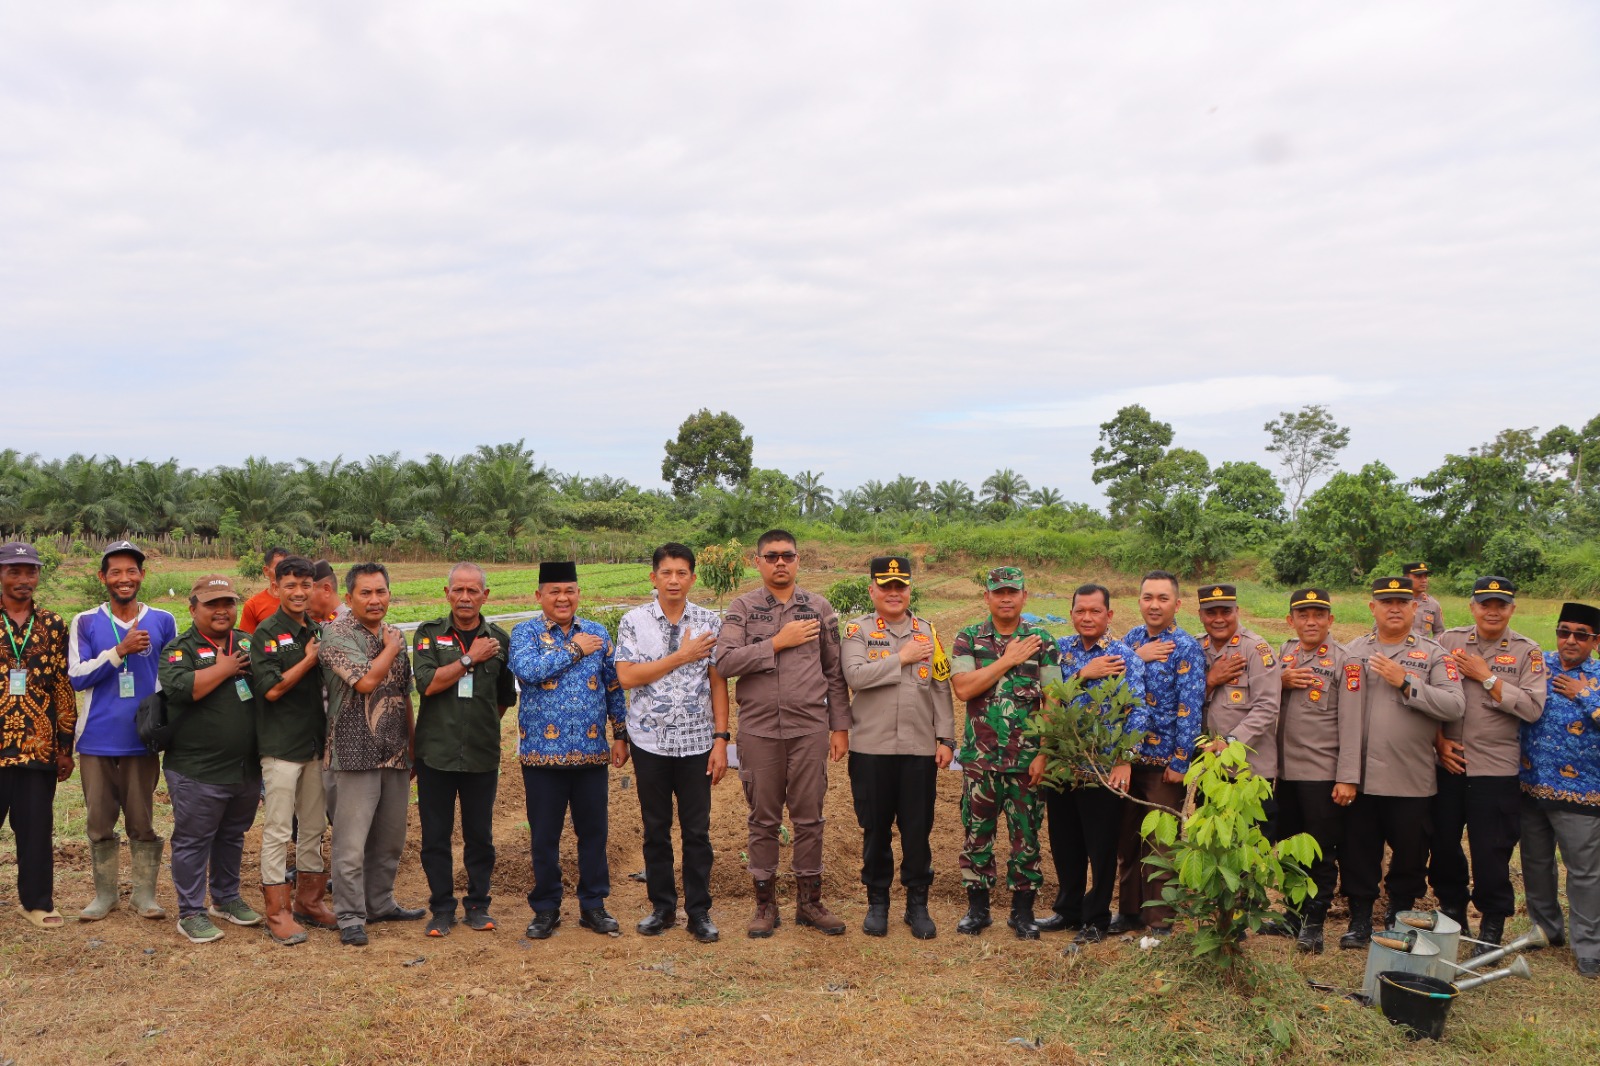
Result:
[[1568, 633], [775, 557]]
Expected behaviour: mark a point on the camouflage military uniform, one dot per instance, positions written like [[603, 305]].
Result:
[[995, 754]]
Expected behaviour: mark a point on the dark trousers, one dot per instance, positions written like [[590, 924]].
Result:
[[1308, 807], [1138, 882], [1084, 825], [438, 791], [1403, 823], [662, 781], [1489, 808], [891, 789], [27, 798], [208, 827], [550, 791]]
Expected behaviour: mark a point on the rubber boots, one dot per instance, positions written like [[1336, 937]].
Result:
[[917, 916], [765, 919], [1021, 920], [146, 868], [977, 919], [309, 908], [876, 922], [280, 924], [809, 908], [107, 856]]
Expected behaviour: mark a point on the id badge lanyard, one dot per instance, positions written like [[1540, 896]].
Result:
[[464, 685], [17, 681], [124, 675]]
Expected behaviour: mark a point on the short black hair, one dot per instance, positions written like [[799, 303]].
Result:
[[772, 535], [294, 566], [1089, 590], [273, 554], [362, 570], [1163, 575], [672, 550]]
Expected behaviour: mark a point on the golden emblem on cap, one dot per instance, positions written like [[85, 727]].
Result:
[[1215, 593], [1494, 586], [1394, 583], [1311, 595], [894, 567]]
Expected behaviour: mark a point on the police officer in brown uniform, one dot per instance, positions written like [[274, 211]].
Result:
[[1412, 685], [1504, 682], [1319, 748], [1430, 616], [902, 733], [1243, 689]]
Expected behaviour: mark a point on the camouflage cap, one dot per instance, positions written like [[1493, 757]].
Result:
[[1005, 577]]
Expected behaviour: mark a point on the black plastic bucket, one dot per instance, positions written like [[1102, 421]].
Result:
[[1415, 1002]]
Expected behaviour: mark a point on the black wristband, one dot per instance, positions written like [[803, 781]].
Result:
[[721, 736]]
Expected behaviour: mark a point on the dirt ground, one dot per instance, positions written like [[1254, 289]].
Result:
[[128, 990]]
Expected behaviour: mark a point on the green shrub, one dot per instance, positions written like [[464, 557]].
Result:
[[610, 617], [251, 563], [720, 567], [1514, 553]]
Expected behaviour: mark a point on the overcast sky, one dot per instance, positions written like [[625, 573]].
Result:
[[921, 238]]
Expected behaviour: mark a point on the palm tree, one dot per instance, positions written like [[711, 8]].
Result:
[[264, 494], [443, 489], [78, 489], [159, 497], [907, 494], [873, 496], [381, 491], [508, 492], [17, 474], [811, 495], [951, 498], [1045, 498], [1005, 486]]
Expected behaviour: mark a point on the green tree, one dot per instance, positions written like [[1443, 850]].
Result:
[[1346, 526], [381, 491], [1305, 442], [1006, 487], [710, 449], [1181, 470], [811, 495], [443, 489], [951, 499], [1471, 498], [1133, 443], [78, 489], [907, 494], [1045, 497]]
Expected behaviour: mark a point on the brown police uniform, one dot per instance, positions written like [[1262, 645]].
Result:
[[1246, 708], [1398, 779], [1485, 801]]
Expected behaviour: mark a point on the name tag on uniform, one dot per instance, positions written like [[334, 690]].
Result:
[[242, 687], [17, 684], [464, 686], [125, 685]]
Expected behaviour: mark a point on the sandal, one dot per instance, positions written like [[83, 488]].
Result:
[[50, 920]]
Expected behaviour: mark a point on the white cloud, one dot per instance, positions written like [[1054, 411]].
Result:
[[866, 231]]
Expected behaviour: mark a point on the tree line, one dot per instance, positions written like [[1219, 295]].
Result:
[[1525, 504]]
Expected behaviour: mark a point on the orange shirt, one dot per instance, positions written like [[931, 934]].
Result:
[[257, 609]]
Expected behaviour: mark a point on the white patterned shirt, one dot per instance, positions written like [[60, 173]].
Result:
[[672, 715]]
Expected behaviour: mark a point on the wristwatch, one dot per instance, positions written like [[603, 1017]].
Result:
[[721, 736], [946, 743], [1490, 682], [466, 661]]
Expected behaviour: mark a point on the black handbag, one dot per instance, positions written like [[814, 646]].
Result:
[[153, 722]]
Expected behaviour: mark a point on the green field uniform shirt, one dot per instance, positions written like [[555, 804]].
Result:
[[994, 739], [214, 740], [455, 732], [294, 726]]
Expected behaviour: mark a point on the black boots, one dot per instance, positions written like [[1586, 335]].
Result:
[[876, 922], [1491, 932], [1395, 907], [1360, 933], [977, 919], [917, 916], [1021, 920], [1308, 938]]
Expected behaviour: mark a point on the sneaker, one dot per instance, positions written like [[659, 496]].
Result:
[[439, 925], [480, 921], [198, 928], [236, 911]]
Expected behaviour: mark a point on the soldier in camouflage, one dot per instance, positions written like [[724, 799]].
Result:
[[1000, 667]]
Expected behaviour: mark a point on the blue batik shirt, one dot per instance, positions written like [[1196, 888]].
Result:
[[1561, 748], [566, 695], [1075, 655], [1175, 693]]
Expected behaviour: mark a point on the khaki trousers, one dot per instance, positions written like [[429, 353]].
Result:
[[122, 785], [293, 790], [777, 773]]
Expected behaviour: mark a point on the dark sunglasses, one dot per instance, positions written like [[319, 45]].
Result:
[[787, 557], [672, 639], [1568, 633]]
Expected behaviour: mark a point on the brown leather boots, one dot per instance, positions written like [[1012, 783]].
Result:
[[308, 905], [280, 925], [765, 919], [809, 908]]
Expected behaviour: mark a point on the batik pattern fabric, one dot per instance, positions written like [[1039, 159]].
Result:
[[38, 723], [1175, 693], [567, 696], [1561, 749], [671, 716]]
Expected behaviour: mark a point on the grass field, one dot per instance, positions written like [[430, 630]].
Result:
[[129, 990]]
